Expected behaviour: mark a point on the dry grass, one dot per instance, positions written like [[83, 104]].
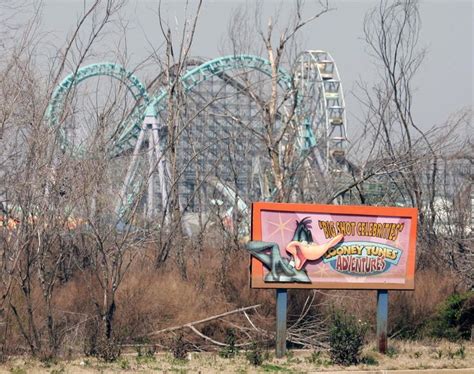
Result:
[[150, 299], [403, 355]]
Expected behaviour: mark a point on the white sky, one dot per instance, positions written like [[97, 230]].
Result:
[[443, 85]]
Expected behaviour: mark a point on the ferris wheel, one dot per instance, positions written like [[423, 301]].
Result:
[[321, 107]]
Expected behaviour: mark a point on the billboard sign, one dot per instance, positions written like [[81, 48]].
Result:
[[332, 247]]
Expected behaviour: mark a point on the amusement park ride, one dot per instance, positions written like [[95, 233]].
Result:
[[218, 102]]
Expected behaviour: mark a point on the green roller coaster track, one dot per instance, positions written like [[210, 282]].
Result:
[[152, 105]]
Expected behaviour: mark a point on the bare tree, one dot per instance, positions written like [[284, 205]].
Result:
[[391, 32], [406, 163], [280, 127], [46, 194]]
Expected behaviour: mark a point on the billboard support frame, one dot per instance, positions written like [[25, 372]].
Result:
[[257, 267], [281, 276]]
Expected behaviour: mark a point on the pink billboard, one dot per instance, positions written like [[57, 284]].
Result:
[[328, 246]]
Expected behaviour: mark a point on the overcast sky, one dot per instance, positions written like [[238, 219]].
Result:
[[444, 84]]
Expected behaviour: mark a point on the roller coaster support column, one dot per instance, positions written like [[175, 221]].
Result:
[[160, 160], [131, 170], [151, 172]]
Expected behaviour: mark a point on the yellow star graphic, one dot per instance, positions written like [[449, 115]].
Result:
[[321, 271], [281, 227]]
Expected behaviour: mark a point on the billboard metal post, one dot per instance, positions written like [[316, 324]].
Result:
[[382, 317], [281, 312]]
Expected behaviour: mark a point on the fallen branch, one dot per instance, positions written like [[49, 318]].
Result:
[[250, 321], [192, 324], [207, 337]]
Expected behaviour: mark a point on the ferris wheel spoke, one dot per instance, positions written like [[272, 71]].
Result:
[[318, 82]]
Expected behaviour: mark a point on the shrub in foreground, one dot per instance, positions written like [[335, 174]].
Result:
[[256, 354], [454, 318], [231, 349], [180, 347], [346, 338]]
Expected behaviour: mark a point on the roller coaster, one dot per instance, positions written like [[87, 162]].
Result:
[[218, 157]]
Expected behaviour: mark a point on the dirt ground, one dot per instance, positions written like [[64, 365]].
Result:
[[401, 355]]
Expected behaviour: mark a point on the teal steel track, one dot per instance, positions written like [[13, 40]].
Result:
[[152, 105], [199, 74], [63, 90]]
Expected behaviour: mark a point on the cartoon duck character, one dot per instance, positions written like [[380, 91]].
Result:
[[301, 249]]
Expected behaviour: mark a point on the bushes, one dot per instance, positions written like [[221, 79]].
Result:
[[346, 338], [172, 301], [231, 349], [410, 311], [180, 347], [256, 354], [97, 345], [454, 317]]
